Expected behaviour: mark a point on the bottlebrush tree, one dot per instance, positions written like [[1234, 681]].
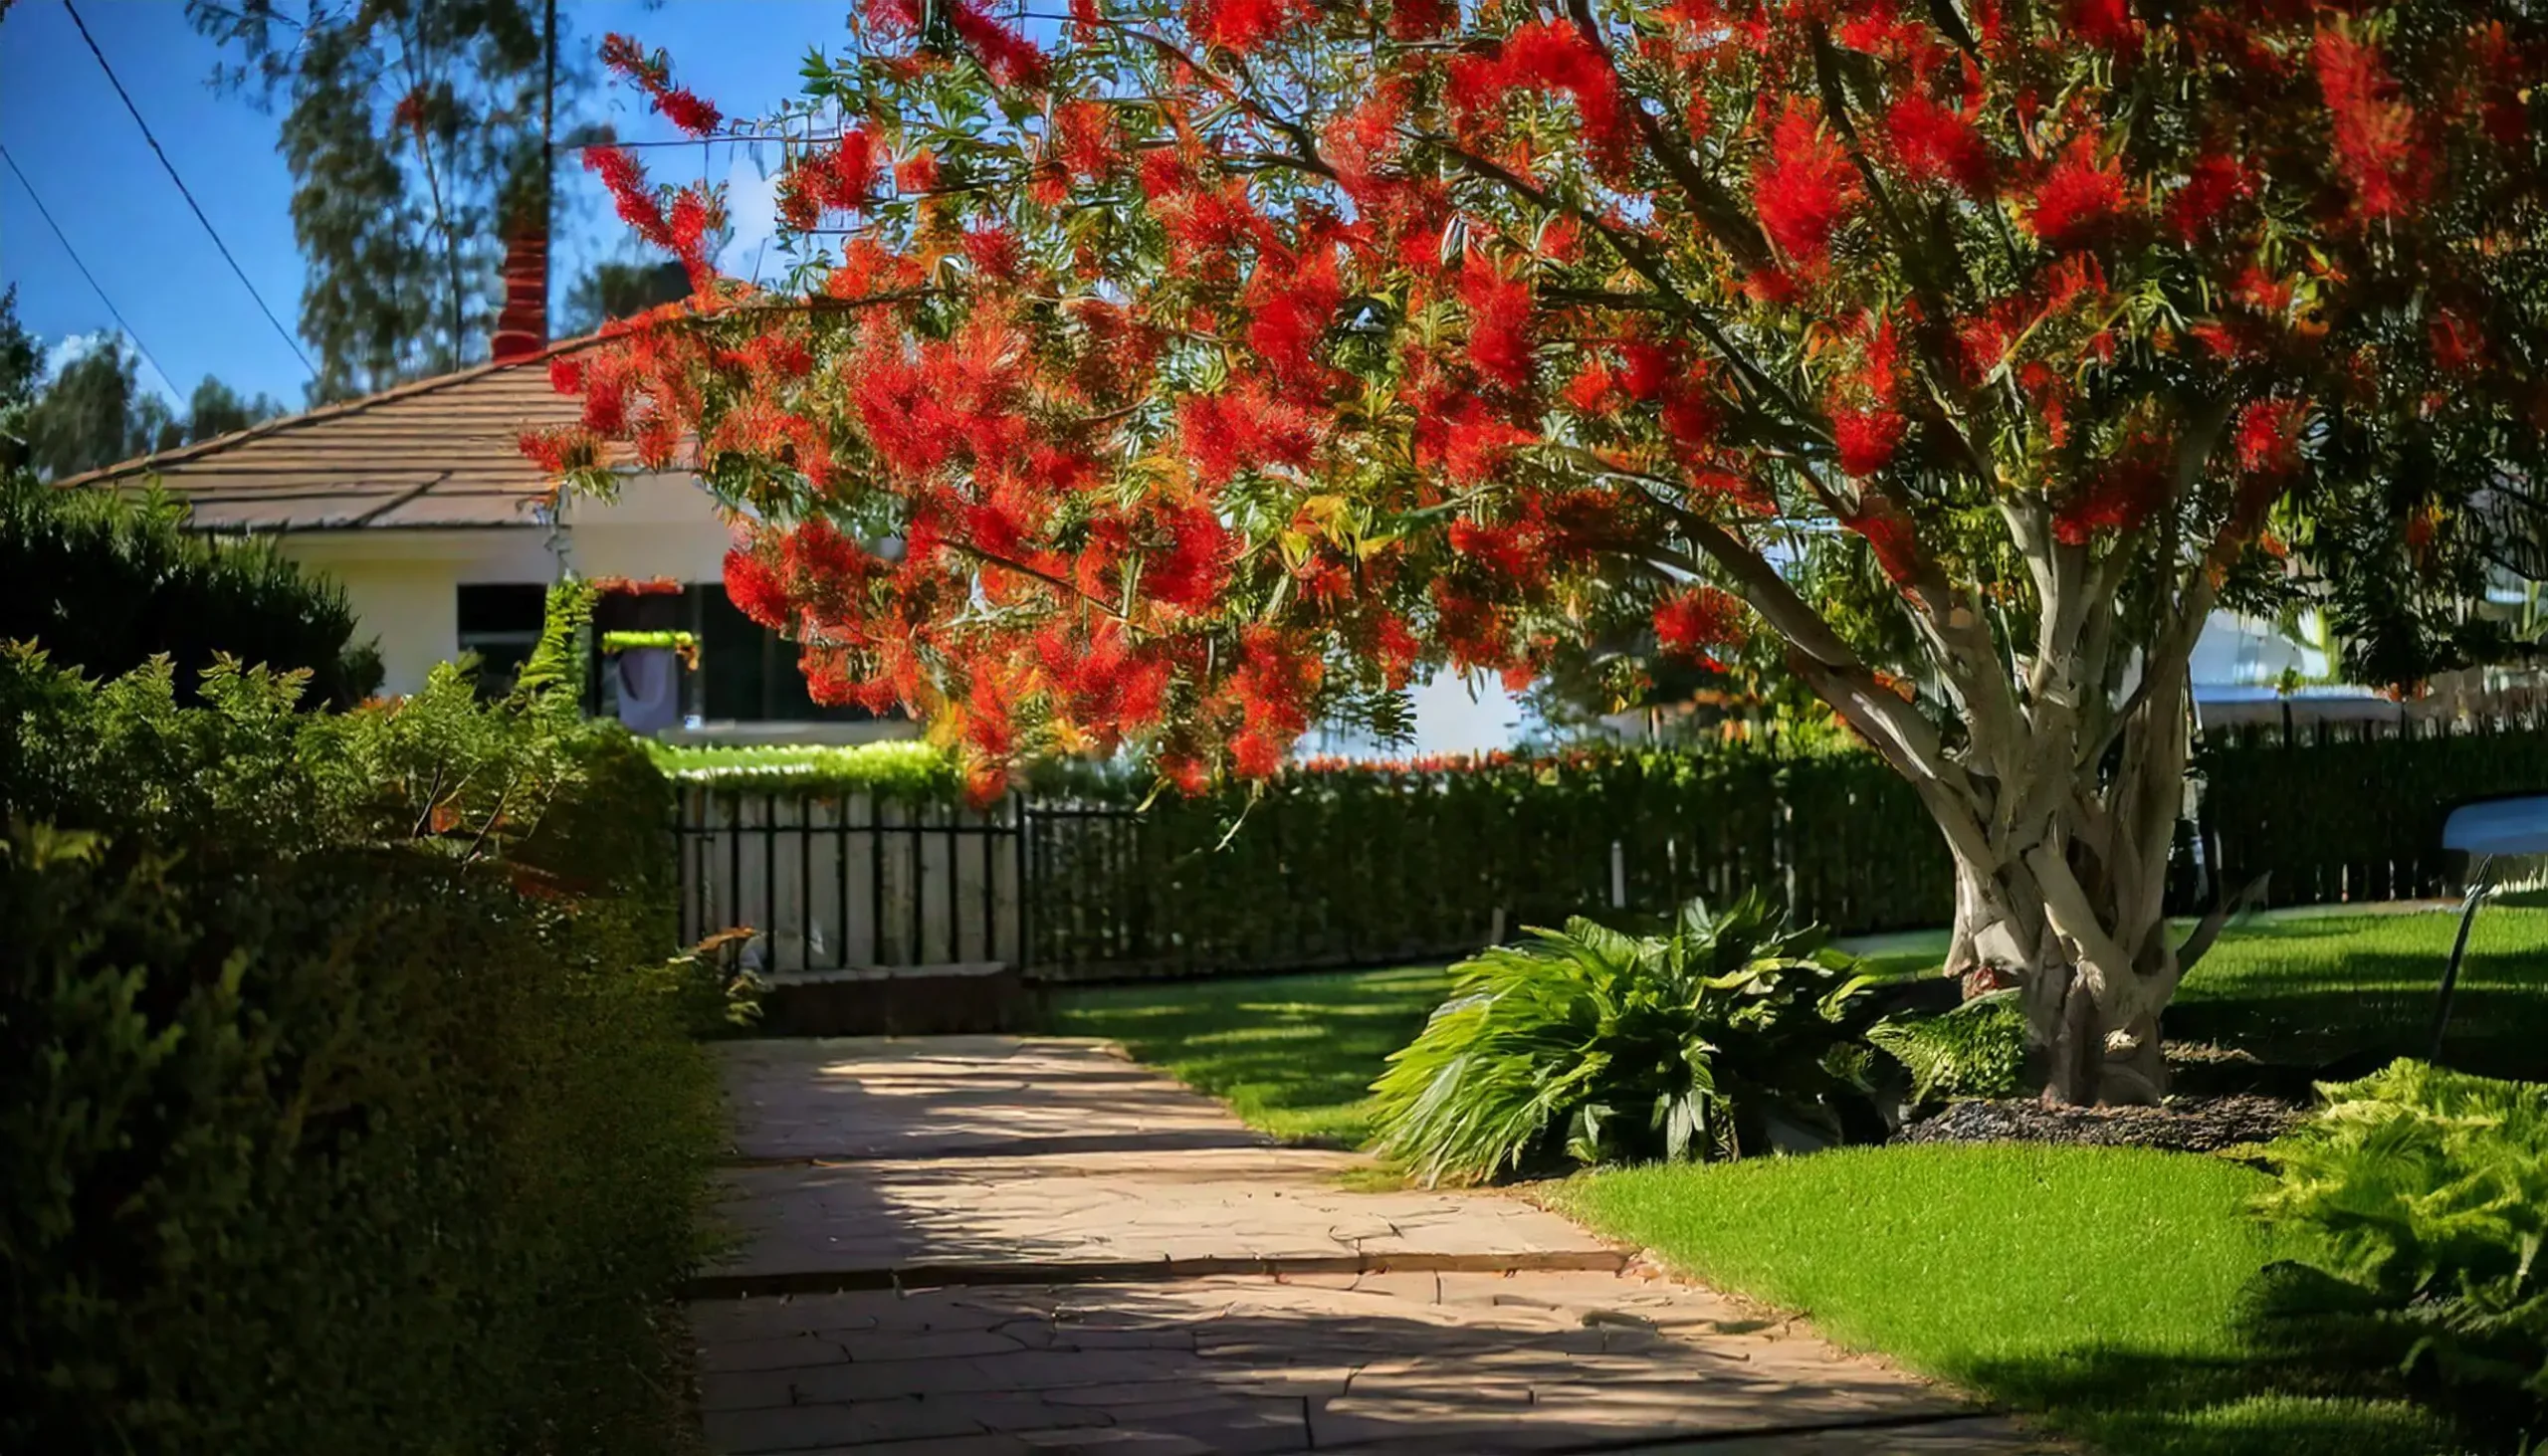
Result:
[[1222, 364]]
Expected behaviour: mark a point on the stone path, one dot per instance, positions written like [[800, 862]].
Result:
[[988, 1245]]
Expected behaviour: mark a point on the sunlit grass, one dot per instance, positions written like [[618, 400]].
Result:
[[2099, 1288]]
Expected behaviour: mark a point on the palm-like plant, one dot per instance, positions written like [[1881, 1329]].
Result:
[[1729, 1034]]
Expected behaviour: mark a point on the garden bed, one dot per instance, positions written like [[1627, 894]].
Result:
[[2181, 1125]]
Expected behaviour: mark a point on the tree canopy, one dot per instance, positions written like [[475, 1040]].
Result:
[[1225, 363]]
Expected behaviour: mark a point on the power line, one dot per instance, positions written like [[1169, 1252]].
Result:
[[182, 191], [112, 311]]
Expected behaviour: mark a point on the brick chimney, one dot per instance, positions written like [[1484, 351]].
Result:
[[521, 329]]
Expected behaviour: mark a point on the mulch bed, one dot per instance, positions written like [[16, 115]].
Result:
[[2181, 1125]]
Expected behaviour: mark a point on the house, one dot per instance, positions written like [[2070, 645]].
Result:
[[419, 502]]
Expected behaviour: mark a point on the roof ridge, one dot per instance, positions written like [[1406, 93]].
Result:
[[266, 429]]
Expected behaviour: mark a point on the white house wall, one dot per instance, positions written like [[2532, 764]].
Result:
[[404, 584]]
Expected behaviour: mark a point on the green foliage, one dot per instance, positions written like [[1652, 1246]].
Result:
[[901, 769], [1381, 864], [106, 583], [2096, 1290], [2421, 1195], [347, 1097], [1729, 1034], [1978, 1048]]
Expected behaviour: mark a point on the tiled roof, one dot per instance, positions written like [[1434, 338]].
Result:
[[439, 453]]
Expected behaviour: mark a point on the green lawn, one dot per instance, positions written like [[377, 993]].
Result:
[[1293, 1055], [2309, 989], [2099, 1287]]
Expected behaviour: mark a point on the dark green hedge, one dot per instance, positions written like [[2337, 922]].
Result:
[[106, 583], [2340, 814], [1358, 865], [348, 1101]]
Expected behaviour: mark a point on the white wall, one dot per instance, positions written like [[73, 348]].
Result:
[[404, 584]]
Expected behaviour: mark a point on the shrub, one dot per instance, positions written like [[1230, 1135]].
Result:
[[105, 583], [2421, 1198], [1729, 1034], [346, 1095], [1977, 1049]]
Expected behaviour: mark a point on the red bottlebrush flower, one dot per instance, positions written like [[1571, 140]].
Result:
[[560, 449], [1244, 429], [626, 181], [565, 377], [2266, 437], [606, 402], [995, 252], [1647, 370], [1890, 533], [2107, 24], [1548, 55], [1256, 755], [1163, 173], [1009, 58], [1189, 774], [1499, 324], [1933, 143], [1471, 629], [1242, 26], [1084, 138], [1695, 619], [1293, 301], [2214, 184], [1190, 574], [1804, 189], [917, 174], [1688, 415], [1592, 390], [2078, 200], [754, 589], [2458, 345], [2119, 497], [1866, 437], [1506, 551], [1416, 20], [687, 111], [1472, 440], [1396, 648], [2374, 129]]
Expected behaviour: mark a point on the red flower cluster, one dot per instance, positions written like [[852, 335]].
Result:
[[1273, 685], [1543, 57], [1499, 324], [2374, 129], [1695, 619], [2214, 184], [2119, 497], [678, 104], [1805, 188], [1866, 438], [2079, 199], [756, 591], [1242, 26], [1244, 427], [1932, 142]]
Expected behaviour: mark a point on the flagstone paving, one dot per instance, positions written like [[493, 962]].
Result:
[[995, 1244]]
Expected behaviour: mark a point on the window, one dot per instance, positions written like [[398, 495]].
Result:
[[746, 672], [500, 622]]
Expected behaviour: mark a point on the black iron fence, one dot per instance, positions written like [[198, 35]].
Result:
[[1367, 867]]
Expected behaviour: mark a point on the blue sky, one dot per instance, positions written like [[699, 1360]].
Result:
[[64, 127], [62, 124]]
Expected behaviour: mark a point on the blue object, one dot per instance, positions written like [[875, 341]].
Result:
[[2484, 830], [2499, 826]]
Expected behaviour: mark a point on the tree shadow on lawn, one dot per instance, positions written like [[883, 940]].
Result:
[[2139, 1403]]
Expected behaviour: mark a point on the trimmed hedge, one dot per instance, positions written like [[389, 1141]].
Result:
[[349, 1099], [2343, 815], [106, 583], [1364, 865]]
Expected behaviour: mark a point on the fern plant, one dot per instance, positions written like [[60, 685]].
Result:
[[1728, 1033], [2420, 1197], [1977, 1048]]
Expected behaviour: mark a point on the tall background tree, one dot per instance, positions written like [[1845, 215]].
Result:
[[1227, 363], [416, 132], [93, 410]]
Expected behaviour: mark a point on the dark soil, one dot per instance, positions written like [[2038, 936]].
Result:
[[2181, 1125]]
